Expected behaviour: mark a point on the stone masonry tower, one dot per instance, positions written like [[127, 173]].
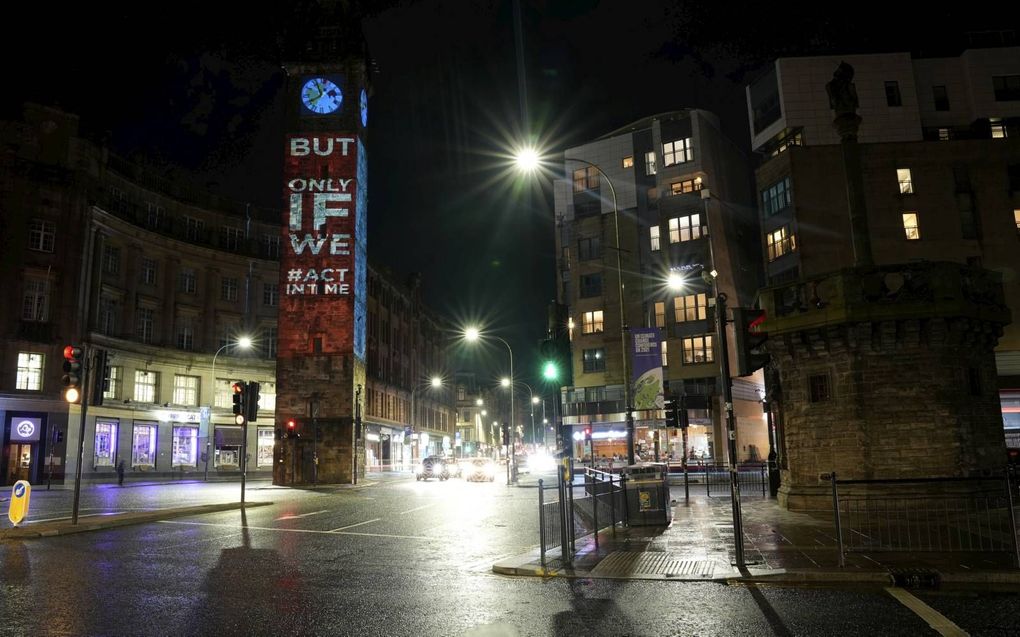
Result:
[[885, 371], [320, 366]]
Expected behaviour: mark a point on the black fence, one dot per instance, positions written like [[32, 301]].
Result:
[[570, 511], [714, 478], [924, 515]]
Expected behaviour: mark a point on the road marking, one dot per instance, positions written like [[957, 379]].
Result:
[[302, 515], [270, 528], [939, 622], [351, 526], [424, 506]]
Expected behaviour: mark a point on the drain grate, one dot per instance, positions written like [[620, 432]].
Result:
[[665, 565]]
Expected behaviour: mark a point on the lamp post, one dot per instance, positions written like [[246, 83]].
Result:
[[472, 334], [527, 161], [245, 343], [434, 383]]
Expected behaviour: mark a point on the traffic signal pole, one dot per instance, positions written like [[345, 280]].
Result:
[[731, 432], [81, 434]]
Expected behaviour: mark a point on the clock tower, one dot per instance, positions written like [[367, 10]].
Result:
[[320, 364]]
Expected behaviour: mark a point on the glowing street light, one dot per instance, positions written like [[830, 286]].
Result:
[[676, 281], [535, 400], [504, 382], [479, 402], [527, 159], [472, 334], [437, 381]]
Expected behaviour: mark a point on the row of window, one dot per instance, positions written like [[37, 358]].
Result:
[[184, 443], [681, 229], [696, 349], [1004, 87], [678, 151], [186, 389]]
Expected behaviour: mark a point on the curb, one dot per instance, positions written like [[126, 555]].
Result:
[[32, 532]]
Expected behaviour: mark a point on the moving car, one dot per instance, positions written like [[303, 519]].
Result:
[[453, 467], [432, 467], [479, 470]]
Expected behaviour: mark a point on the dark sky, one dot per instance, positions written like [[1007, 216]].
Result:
[[195, 89]]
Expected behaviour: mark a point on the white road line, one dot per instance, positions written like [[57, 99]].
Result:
[[399, 537], [270, 528], [302, 515], [939, 622], [351, 526], [424, 506]]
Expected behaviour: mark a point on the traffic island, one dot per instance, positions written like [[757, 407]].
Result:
[[100, 522]]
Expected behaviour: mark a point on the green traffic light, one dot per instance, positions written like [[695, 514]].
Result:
[[549, 371]]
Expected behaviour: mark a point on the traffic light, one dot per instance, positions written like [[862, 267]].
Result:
[[587, 434], [750, 340], [101, 385], [238, 392], [292, 429], [506, 434], [73, 373], [672, 414], [251, 401], [550, 371]]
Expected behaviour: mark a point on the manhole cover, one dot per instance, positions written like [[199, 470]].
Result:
[[666, 565]]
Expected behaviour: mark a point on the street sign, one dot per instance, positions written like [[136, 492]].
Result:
[[25, 429], [20, 495]]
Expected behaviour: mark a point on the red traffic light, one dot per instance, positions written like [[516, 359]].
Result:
[[238, 388], [291, 424]]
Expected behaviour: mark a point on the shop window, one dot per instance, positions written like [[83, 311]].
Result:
[[228, 446], [106, 444], [265, 448], [185, 447], [143, 446]]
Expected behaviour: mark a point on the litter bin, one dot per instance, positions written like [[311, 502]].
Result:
[[647, 494]]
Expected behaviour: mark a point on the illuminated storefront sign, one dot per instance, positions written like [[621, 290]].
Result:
[[25, 429]]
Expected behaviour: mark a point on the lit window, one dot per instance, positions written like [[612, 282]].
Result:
[[650, 163], [906, 183], [35, 300], [943, 134], [686, 228], [665, 357], [776, 197], [143, 446], [146, 384], [106, 443], [41, 235], [677, 152], [628, 162], [594, 360], [1016, 219], [591, 322], [653, 233], [586, 178], [698, 349], [780, 242], [186, 390], [660, 314], [685, 187], [910, 226], [30, 366], [690, 307], [116, 377], [998, 129], [185, 447]]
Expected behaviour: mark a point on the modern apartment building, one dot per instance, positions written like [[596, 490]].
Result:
[[680, 192], [940, 153]]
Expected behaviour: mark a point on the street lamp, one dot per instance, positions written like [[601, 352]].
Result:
[[434, 382], [527, 160], [245, 343], [472, 334]]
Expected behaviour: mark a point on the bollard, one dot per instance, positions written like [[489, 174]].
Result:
[[595, 512], [612, 502], [541, 519]]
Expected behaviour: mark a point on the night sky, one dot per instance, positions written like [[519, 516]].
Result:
[[194, 90]]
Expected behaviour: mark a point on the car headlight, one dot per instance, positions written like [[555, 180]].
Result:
[[438, 466]]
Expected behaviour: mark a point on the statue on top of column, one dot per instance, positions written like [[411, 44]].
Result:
[[842, 92]]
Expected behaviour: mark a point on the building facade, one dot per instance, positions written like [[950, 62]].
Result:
[[681, 193], [940, 155], [168, 279]]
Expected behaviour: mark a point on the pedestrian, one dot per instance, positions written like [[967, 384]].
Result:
[[120, 473]]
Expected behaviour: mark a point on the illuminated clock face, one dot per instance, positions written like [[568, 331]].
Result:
[[364, 108], [322, 96]]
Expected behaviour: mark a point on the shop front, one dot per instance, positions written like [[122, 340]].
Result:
[[24, 439], [384, 447]]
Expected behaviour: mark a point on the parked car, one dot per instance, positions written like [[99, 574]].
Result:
[[432, 467], [479, 470]]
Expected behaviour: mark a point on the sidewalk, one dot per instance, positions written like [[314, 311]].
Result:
[[779, 546]]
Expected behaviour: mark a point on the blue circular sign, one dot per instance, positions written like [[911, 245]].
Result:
[[19, 490]]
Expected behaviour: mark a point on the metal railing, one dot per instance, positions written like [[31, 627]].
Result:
[[715, 477], [925, 515], [577, 511]]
